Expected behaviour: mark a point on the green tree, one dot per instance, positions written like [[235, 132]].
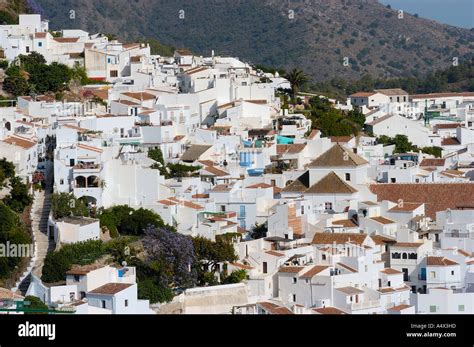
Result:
[[259, 231], [18, 198], [17, 86], [209, 254], [36, 304], [66, 204], [297, 79]]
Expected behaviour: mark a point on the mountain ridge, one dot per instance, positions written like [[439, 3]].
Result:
[[317, 36]]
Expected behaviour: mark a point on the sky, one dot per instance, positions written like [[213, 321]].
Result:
[[455, 12]]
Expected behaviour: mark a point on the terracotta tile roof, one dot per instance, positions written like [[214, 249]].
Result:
[[350, 290], [195, 70], [194, 152], [391, 91], [442, 95], [6, 294], [338, 238], [66, 39], [89, 148], [167, 202], [314, 271], [222, 188], [331, 184], [206, 162], [399, 307], [435, 196], [140, 95], [290, 149], [83, 269], [215, 171], [200, 196], [347, 267], [259, 185], [291, 269], [405, 207], [275, 254], [452, 173], [328, 310], [273, 309], [382, 220], [110, 288], [20, 142], [242, 266], [390, 271], [440, 261], [362, 94], [40, 35], [340, 139], [346, 223], [450, 141], [381, 239], [447, 126], [313, 134], [299, 185], [127, 102], [380, 119], [428, 162], [338, 156]]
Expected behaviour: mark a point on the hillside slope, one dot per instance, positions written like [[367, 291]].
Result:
[[318, 38]]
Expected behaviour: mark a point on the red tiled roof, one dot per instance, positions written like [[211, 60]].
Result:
[[435, 196], [110, 288], [328, 310], [440, 261]]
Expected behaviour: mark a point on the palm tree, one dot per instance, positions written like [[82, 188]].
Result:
[[297, 79]]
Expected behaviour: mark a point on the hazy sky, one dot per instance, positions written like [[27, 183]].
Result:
[[454, 12]]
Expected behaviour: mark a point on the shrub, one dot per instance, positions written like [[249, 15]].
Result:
[[57, 263]]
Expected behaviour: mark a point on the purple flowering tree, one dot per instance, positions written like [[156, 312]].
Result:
[[171, 255]]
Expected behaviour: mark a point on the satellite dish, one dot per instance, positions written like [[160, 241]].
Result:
[[124, 263]]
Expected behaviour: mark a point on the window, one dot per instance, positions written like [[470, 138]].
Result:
[[324, 257], [126, 303], [294, 297], [452, 273], [83, 295], [27, 49], [393, 180], [366, 268], [460, 308], [222, 208], [103, 303], [404, 256], [389, 283], [348, 176], [328, 206], [432, 274], [76, 278], [40, 44], [113, 73], [396, 255], [302, 209], [295, 280], [265, 267], [72, 296], [432, 308], [61, 181]]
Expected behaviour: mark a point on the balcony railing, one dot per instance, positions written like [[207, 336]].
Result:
[[364, 305], [460, 235]]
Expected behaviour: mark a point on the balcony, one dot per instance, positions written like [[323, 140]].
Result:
[[460, 235], [85, 168], [364, 305]]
